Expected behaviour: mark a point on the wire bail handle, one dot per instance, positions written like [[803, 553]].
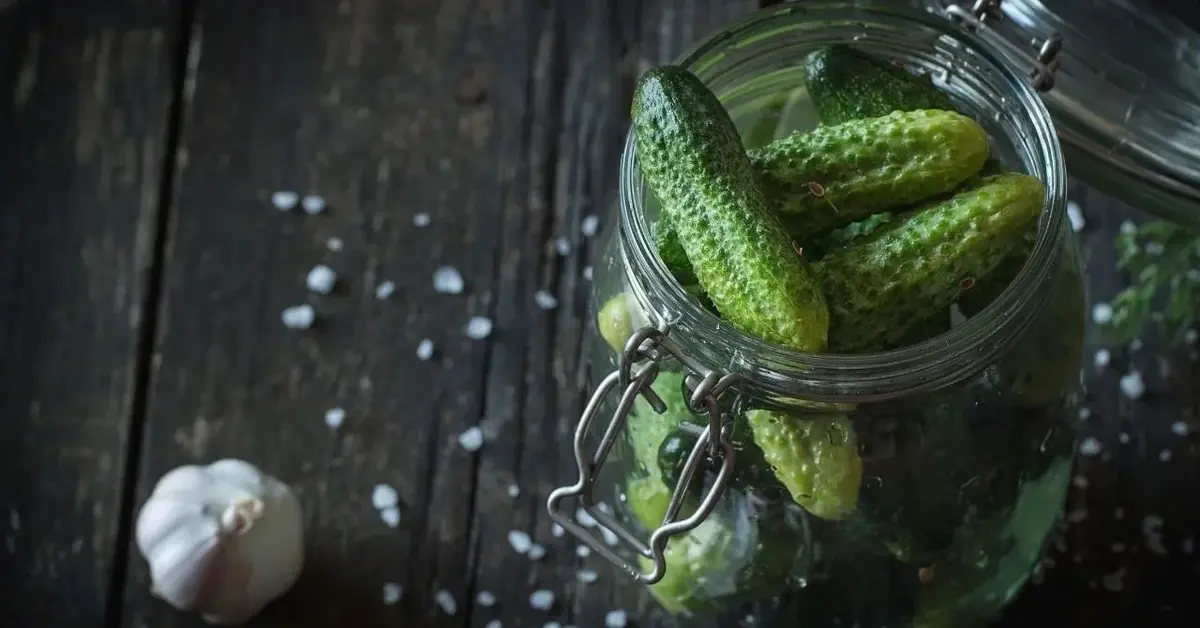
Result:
[[986, 12], [646, 349]]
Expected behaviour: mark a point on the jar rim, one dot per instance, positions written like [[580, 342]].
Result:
[[789, 374]]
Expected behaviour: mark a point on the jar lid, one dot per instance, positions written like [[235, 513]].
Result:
[[1126, 91]]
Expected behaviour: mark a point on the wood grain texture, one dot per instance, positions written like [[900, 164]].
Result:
[[85, 91]]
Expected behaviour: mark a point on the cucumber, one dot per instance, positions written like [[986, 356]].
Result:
[[814, 456], [692, 158], [880, 287], [846, 84], [834, 175]]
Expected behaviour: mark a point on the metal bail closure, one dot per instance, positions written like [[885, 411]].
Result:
[[985, 12], [645, 350]]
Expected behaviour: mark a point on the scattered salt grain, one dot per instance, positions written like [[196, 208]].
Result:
[[551, 624], [392, 593], [514, 491], [1085, 413], [584, 519], [541, 599], [471, 439], [1102, 313], [587, 273], [519, 541], [334, 244], [587, 576], [1135, 345], [1102, 358], [1164, 455], [421, 219], [298, 317], [1090, 447], [312, 204], [545, 300], [562, 246], [446, 602], [384, 290], [1154, 248], [447, 280], [479, 327], [321, 279], [583, 551], [590, 225], [1132, 385], [390, 516], [285, 200], [1075, 215], [384, 496], [1080, 482], [610, 537], [615, 619], [1077, 515], [485, 599], [1128, 228], [557, 531], [334, 417], [425, 349], [1180, 428], [495, 623], [1123, 437], [536, 552]]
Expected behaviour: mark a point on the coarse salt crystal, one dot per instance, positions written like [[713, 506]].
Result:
[[1180, 428], [485, 599], [587, 273], [586, 520], [1132, 385], [541, 599], [615, 619], [390, 516], [479, 327], [1077, 515], [447, 280], [495, 623], [285, 200], [514, 491], [471, 439], [587, 576], [1085, 413], [334, 417], [1075, 215], [421, 219], [298, 317], [519, 541], [1102, 313], [562, 246], [1079, 481], [1102, 358], [545, 300], [1154, 248], [384, 290], [1123, 437], [425, 349], [557, 531], [392, 593], [321, 279], [446, 602], [590, 225], [551, 624], [312, 204], [334, 244], [583, 551], [384, 496], [1128, 228], [536, 552], [1090, 447]]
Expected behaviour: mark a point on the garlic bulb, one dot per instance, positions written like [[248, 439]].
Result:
[[221, 540]]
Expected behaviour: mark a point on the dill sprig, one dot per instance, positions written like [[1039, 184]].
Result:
[[1162, 260]]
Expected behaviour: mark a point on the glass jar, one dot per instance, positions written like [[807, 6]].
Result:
[[935, 471]]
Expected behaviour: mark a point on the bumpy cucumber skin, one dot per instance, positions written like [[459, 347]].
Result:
[[815, 457], [670, 249], [846, 84], [834, 175], [692, 158], [880, 287]]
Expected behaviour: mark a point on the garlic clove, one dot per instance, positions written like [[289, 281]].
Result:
[[185, 574]]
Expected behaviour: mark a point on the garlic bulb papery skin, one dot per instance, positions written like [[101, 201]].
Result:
[[222, 540]]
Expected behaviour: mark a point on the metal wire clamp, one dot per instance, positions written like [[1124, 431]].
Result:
[[639, 365]]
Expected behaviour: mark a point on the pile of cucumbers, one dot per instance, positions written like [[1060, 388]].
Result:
[[857, 236]]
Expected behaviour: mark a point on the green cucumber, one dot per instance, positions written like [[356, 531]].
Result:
[[880, 287], [846, 84], [834, 175], [692, 158], [814, 456]]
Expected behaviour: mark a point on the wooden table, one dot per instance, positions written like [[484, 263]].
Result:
[[143, 272]]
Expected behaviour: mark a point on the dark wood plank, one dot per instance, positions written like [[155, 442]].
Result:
[[85, 90]]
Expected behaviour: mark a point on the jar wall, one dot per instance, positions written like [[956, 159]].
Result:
[[926, 506]]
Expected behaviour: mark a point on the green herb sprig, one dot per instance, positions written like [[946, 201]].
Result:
[[1160, 258]]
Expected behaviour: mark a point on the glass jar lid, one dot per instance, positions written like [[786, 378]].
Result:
[[1126, 91]]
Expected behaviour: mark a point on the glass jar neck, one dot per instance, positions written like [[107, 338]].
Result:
[[777, 373]]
